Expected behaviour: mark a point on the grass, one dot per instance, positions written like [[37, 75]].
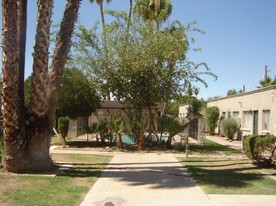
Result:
[[67, 188], [230, 176], [212, 148], [55, 140]]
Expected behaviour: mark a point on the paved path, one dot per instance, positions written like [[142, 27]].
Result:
[[223, 141], [145, 179], [153, 179]]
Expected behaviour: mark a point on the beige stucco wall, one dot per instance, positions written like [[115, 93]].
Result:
[[258, 100]]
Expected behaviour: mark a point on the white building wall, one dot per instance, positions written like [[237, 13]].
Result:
[[254, 101]]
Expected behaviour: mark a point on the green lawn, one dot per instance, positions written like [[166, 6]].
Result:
[[67, 188], [230, 176], [211, 147]]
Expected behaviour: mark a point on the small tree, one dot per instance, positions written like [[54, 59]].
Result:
[[172, 126], [63, 127], [118, 127], [212, 116], [229, 127]]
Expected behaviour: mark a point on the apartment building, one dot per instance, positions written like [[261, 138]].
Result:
[[254, 110]]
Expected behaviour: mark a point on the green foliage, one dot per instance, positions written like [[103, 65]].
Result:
[[172, 126], [229, 127], [77, 96], [212, 116], [159, 73], [63, 126], [195, 108], [151, 10], [267, 82], [260, 149]]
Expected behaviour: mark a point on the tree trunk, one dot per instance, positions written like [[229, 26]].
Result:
[[37, 130], [60, 54], [21, 41], [14, 157], [142, 144], [119, 141], [19, 156]]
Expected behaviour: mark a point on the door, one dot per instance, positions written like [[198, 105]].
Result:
[[255, 122]]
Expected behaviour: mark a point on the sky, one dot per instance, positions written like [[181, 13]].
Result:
[[239, 39]]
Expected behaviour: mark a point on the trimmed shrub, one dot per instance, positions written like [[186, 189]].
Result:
[[260, 149], [229, 127], [212, 116], [63, 127]]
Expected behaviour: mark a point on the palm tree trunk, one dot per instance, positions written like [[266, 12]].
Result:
[[37, 131], [21, 40], [60, 54], [14, 141]]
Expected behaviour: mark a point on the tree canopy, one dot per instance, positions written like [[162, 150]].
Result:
[[77, 96]]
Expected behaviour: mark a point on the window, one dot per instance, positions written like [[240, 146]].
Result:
[[236, 117], [246, 119], [266, 117]]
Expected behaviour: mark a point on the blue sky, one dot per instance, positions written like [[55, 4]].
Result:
[[240, 37]]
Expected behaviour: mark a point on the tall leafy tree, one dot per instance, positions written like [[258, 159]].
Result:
[[105, 50], [27, 148], [77, 96]]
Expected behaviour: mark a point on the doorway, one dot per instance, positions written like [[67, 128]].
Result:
[[255, 122]]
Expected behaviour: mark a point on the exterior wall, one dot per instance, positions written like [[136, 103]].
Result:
[[247, 106], [77, 127], [198, 132]]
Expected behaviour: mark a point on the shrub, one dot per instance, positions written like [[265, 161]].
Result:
[[260, 149], [63, 127], [212, 116], [229, 127]]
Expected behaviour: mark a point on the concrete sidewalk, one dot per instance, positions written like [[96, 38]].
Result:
[[145, 179], [152, 179], [235, 144]]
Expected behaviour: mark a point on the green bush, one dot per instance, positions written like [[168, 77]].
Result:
[[63, 126], [229, 127], [260, 149], [212, 116]]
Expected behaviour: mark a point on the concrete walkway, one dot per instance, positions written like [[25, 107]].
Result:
[[235, 144], [152, 179], [145, 179], [157, 179]]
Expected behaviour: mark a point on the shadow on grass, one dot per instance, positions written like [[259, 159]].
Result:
[[212, 147], [232, 174]]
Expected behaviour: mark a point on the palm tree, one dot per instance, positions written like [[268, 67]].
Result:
[[30, 151], [154, 10], [268, 81], [100, 3], [21, 41], [14, 153]]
